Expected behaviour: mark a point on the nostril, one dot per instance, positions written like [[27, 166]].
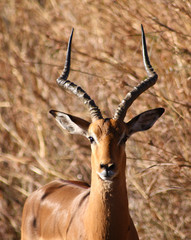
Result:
[[103, 166], [108, 167], [111, 166], [108, 171]]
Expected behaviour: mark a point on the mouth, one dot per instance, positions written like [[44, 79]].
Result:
[[106, 175]]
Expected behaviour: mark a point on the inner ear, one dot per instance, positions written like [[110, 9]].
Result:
[[144, 121], [72, 124]]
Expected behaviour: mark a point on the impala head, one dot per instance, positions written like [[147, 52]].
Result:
[[108, 135]]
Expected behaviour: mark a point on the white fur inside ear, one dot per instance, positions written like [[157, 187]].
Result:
[[67, 123]]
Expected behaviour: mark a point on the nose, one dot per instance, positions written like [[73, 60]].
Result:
[[108, 171], [108, 167]]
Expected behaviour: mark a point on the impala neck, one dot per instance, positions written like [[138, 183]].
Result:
[[107, 215]]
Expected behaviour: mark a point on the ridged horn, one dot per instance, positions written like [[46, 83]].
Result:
[[142, 87], [77, 90]]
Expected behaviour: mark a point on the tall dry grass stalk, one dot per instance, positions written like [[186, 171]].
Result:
[[107, 62]]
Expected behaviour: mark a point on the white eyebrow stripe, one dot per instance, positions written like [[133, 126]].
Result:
[[92, 134], [122, 136]]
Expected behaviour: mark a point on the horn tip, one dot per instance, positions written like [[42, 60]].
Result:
[[142, 30]]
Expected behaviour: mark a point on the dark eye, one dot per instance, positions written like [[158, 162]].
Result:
[[91, 139]]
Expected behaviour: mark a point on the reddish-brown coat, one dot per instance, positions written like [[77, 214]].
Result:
[[72, 210]]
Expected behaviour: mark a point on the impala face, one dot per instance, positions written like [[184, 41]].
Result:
[[108, 137]]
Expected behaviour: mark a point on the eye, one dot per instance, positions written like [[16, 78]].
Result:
[[91, 139]]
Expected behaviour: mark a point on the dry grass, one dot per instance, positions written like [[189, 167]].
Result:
[[107, 56]]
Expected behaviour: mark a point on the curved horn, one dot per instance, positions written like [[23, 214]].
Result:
[[143, 86], [77, 90]]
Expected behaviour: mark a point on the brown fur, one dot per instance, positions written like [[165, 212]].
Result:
[[69, 210]]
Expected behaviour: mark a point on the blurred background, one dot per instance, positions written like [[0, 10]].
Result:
[[107, 63]]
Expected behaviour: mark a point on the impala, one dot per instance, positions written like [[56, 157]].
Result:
[[74, 210]]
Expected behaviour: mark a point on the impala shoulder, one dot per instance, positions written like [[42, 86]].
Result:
[[62, 186]]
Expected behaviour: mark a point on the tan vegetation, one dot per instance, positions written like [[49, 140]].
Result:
[[106, 62]]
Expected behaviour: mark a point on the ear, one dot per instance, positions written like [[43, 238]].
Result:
[[72, 124], [144, 121]]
